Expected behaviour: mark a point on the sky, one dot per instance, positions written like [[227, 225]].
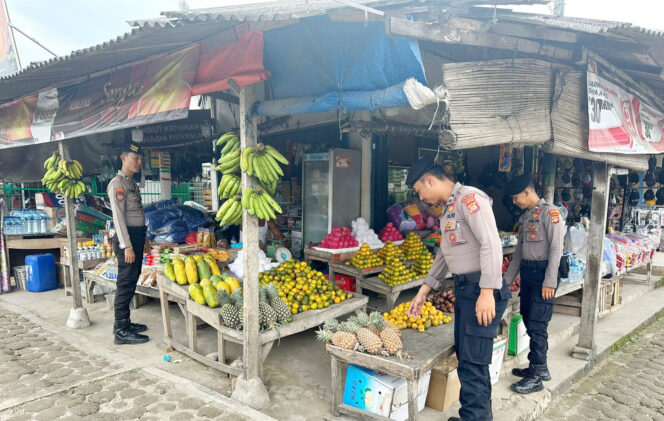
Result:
[[67, 25]]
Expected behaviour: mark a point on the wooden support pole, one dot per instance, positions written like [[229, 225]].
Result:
[[78, 316], [548, 177], [252, 346], [591, 287]]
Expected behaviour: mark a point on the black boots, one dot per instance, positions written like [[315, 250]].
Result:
[[127, 333], [540, 369], [137, 327], [532, 378]]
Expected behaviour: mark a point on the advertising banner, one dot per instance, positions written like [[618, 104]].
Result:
[[8, 59], [619, 121], [148, 92], [15, 120]]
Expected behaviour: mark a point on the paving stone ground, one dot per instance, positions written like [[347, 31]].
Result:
[[628, 385], [54, 380]]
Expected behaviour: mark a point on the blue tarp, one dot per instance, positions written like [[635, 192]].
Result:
[[318, 65]]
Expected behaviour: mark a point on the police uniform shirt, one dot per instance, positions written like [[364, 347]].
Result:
[[541, 237], [470, 240], [125, 198]]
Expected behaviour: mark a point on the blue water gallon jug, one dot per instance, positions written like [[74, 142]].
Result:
[[41, 272]]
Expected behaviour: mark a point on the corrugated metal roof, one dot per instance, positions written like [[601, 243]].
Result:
[[144, 40]]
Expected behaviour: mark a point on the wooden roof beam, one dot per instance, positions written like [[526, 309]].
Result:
[[472, 32], [532, 31]]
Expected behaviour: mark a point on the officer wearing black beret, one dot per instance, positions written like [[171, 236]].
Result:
[[471, 249], [536, 258]]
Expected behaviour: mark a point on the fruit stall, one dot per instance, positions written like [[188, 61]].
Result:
[[292, 298]]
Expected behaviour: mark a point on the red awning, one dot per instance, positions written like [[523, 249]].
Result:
[[241, 61]]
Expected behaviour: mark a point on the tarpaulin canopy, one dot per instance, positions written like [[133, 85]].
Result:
[[318, 65]]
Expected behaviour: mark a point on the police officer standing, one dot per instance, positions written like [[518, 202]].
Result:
[[537, 258], [129, 242], [471, 249]]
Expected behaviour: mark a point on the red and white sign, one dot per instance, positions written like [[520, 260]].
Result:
[[619, 121]]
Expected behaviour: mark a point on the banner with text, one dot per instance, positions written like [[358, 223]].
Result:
[[148, 92], [619, 121]]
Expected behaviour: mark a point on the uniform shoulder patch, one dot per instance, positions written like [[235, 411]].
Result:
[[555, 215], [471, 203], [119, 194]]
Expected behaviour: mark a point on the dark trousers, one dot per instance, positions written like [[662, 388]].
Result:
[[128, 273], [535, 310], [474, 346]]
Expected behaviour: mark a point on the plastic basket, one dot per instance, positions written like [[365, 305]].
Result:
[[21, 277]]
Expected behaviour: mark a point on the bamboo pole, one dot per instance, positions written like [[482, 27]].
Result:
[[78, 316]]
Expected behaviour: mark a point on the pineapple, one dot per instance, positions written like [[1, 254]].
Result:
[[238, 301], [267, 316], [369, 341], [391, 341], [341, 339], [331, 325], [364, 320], [376, 322], [278, 304], [229, 313], [393, 327]]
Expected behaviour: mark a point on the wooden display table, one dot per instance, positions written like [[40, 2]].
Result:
[[426, 350], [91, 279], [326, 257], [359, 274], [212, 316], [391, 293]]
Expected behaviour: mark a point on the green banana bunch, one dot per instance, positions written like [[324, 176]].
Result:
[[229, 163], [258, 202], [230, 212], [52, 161], [72, 169], [229, 186], [63, 177], [270, 187], [226, 137], [263, 162]]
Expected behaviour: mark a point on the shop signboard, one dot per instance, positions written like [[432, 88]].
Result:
[[155, 90], [620, 122], [196, 127]]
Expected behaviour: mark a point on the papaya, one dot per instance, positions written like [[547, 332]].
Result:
[[204, 282], [198, 257], [203, 270], [223, 286], [233, 283], [224, 276], [190, 270], [214, 268], [169, 271], [196, 293], [180, 273], [210, 295]]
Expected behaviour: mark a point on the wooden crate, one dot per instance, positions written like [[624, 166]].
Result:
[[610, 294], [569, 304]]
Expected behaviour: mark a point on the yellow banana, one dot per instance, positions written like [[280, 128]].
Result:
[[276, 154]]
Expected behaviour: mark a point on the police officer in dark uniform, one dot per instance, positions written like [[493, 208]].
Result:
[[471, 249], [129, 242], [537, 258]]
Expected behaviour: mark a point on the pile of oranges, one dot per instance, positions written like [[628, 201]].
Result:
[[429, 317], [302, 287]]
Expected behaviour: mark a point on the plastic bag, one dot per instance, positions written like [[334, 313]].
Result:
[[177, 225], [159, 205], [159, 217]]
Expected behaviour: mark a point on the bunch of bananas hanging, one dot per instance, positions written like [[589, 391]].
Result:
[[229, 161], [63, 176], [258, 202], [263, 162], [230, 212], [229, 186]]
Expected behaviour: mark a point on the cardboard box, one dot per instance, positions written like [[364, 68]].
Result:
[[499, 345], [367, 391], [399, 410], [444, 386]]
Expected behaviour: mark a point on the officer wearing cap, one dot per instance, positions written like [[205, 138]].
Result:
[[537, 258], [129, 242], [471, 249]]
